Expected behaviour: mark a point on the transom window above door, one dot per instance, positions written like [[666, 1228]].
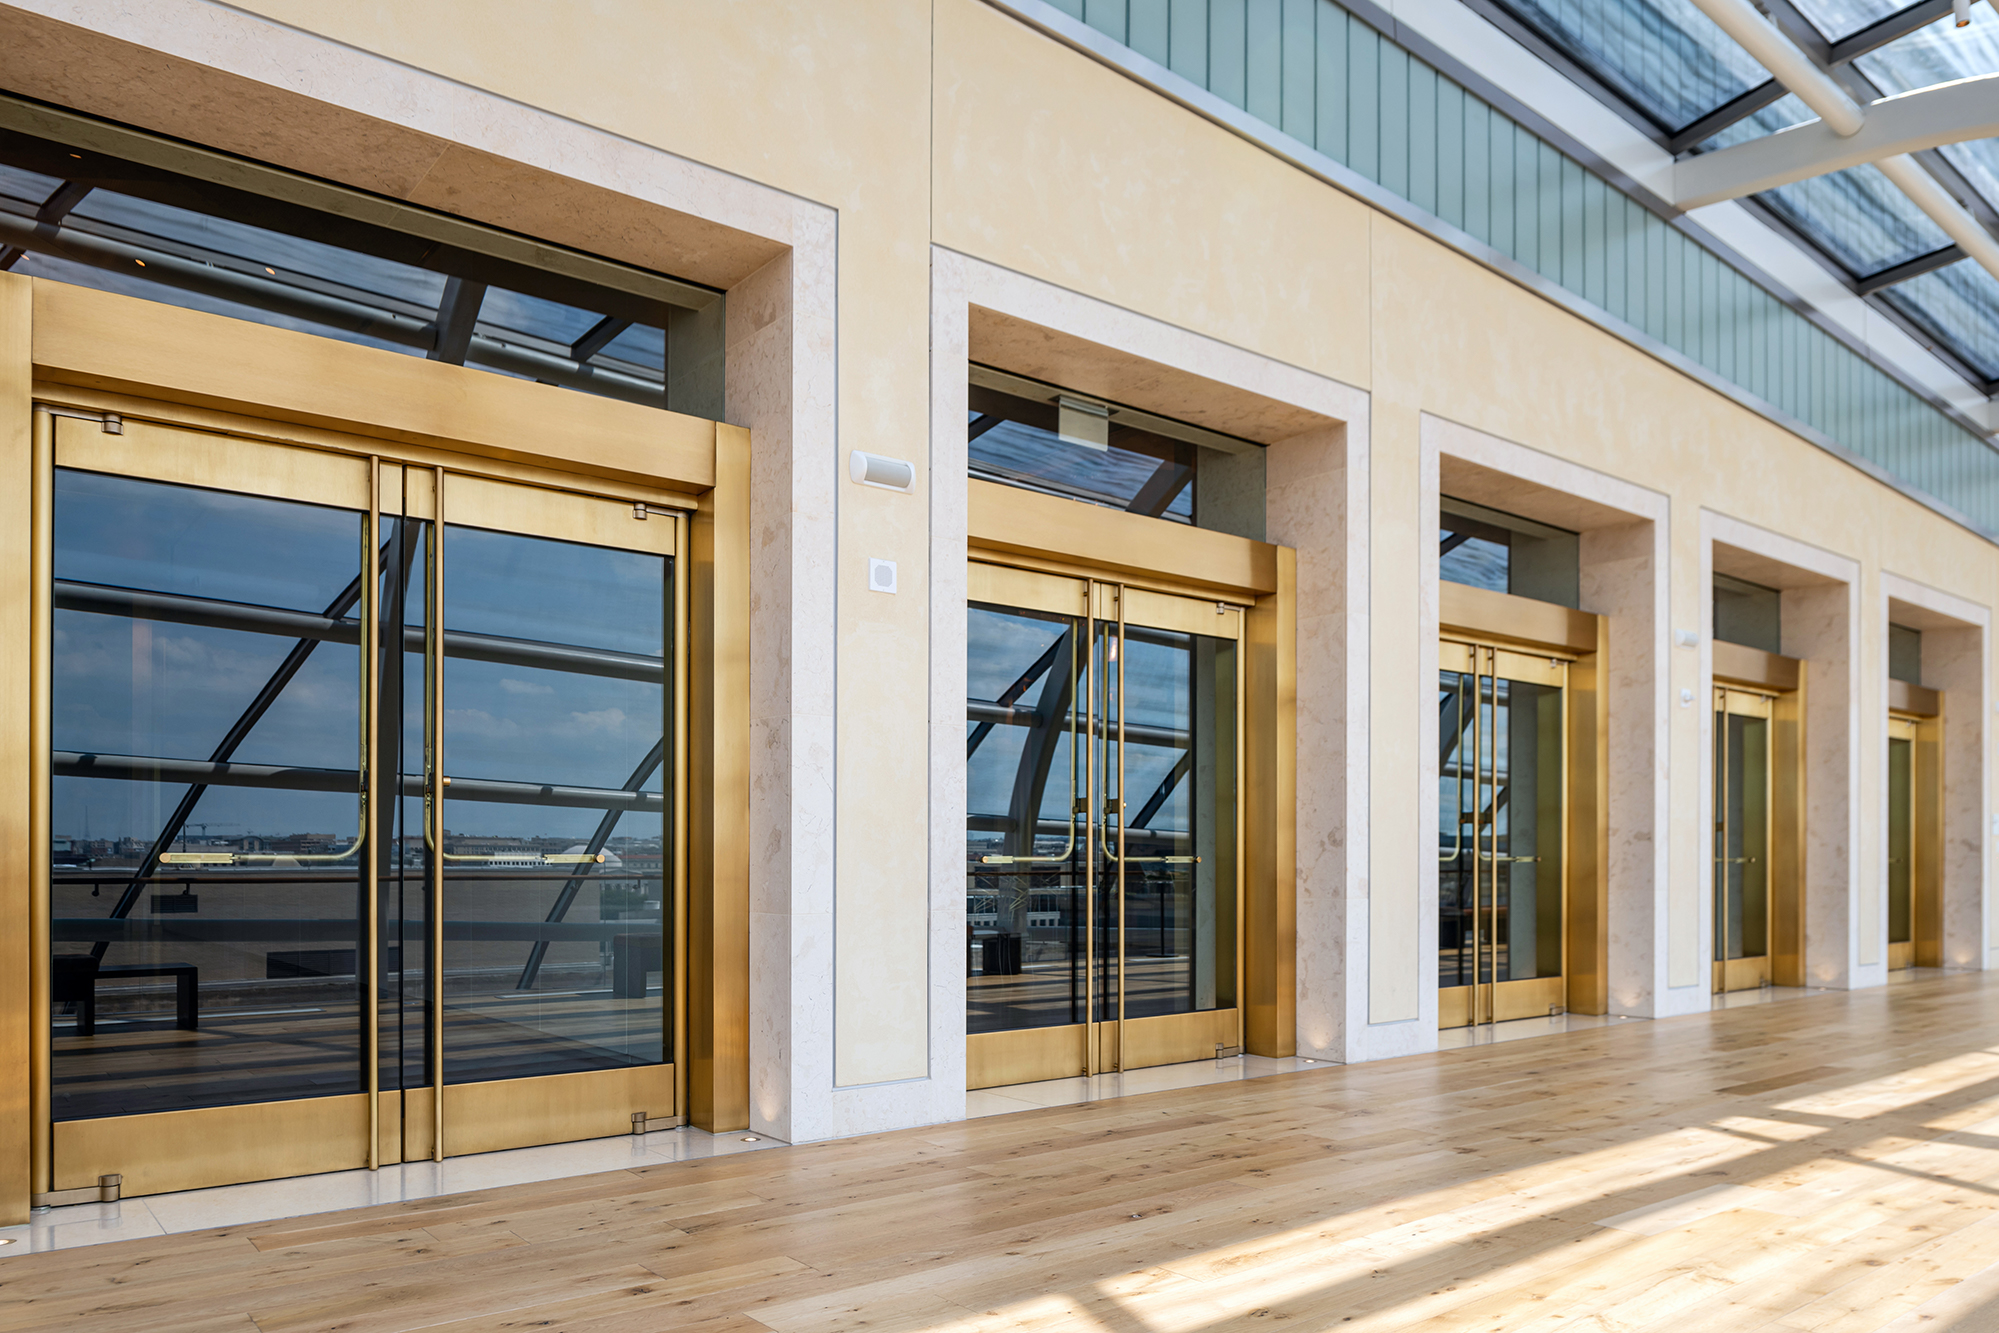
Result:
[[1043, 437]]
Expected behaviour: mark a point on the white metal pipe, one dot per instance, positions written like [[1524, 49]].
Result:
[[1934, 200], [1791, 67], [1816, 89]]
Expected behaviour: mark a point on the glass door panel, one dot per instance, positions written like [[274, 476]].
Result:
[[1501, 825], [205, 798], [1102, 815], [1742, 802]]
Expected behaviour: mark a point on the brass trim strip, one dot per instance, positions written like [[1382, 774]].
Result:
[[1092, 1053], [108, 1189], [1752, 668], [682, 653], [433, 622], [1121, 931], [1913, 700], [41, 1151], [97, 404], [1241, 834], [371, 855]]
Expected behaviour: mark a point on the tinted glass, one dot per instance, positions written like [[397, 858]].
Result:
[[1961, 304], [1664, 56], [1016, 441], [1499, 822], [206, 890], [554, 740]]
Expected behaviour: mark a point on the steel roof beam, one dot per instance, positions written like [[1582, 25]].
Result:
[[1845, 117], [1767, 93], [1909, 123], [1914, 268]]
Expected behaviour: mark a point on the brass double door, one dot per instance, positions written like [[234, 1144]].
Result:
[[1915, 879], [1104, 805], [1502, 829], [364, 845], [1745, 797]]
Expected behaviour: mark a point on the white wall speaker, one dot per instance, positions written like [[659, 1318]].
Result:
[[881, 574], [891, 474]]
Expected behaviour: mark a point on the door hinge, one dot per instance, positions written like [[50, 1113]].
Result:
[[645, 1124], [106, 1190], [110, 422]]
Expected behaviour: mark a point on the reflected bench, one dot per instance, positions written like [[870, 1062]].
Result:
[[75, 978]]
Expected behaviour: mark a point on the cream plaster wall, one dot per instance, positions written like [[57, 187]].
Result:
[[863, 179]]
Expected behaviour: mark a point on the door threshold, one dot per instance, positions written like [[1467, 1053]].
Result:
[[1102, 1087], [70, 1226]]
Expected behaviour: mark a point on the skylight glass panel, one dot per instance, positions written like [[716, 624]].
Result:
[[1859, 218], [1664, 56], [1944, 53], [1779, 115], [1961, 305], [1843, 18]]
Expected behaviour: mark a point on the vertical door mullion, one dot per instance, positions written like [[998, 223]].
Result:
[[41, 1052], [681, 649], [1478, 831], [371, 786], [1092, 799], [433, 625], [1119, 806]]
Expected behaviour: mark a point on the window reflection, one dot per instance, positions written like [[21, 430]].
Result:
[[1016, 441], [208, 877]]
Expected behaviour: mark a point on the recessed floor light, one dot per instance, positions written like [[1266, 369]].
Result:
[[751, 1138]]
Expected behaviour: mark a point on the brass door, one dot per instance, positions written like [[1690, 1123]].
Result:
[[1901, 843], [1744, 806], [1103, 879], [1502, 828], [1915, 841], [366, 847]]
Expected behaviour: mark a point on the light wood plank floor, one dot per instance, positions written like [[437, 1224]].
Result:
[[1826, 1164]]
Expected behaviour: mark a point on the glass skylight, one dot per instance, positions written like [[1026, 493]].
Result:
[[1944, 53], [1962, 304], [1843, 18], [1663, 56], [1859, 218]]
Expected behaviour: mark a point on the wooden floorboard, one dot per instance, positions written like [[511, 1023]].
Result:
[[1828, 1165]]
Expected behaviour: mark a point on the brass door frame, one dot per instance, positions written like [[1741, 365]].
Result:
[[1100, 1045], [1491, 1001], [105, 354], [265, 1140], [1749, 972]]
